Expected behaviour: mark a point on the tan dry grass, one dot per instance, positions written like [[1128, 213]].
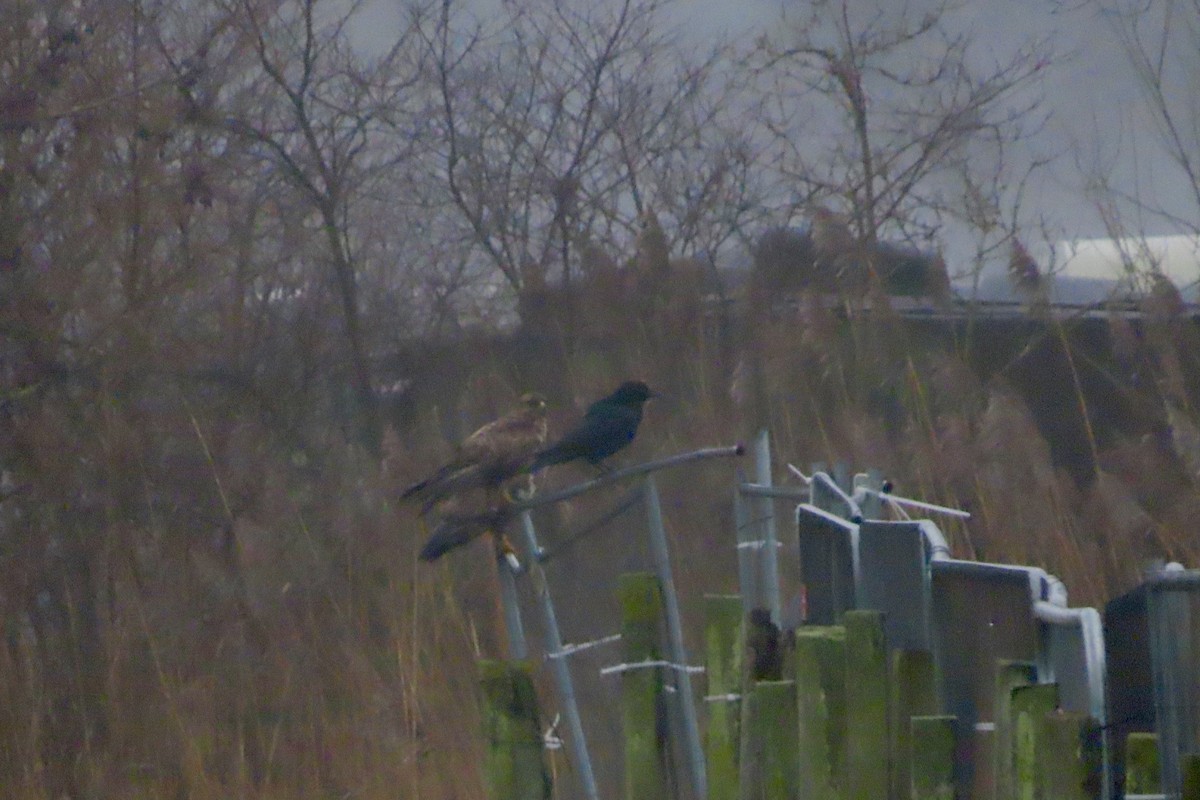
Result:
[[286, 643]]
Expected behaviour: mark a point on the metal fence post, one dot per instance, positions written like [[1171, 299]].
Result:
[[518, 648], [681, 678], [747, 552], [562, 673], [766, 513]]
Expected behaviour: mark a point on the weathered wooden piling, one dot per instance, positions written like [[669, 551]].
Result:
[[913, 693], [1027, 706], [1069, 757], [643, 713], [514, 764], [768, 766], [865, 773], [724, 641], [1143, 769], [1009, 675], [1189, 776], [820, 695], [932, 761]]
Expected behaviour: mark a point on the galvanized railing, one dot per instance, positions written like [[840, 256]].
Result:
[[558, 654]]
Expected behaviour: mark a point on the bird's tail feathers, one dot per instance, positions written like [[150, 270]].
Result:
[[458, 530], [434, 488], [452, 483], [420, 487], [449, 534], [475, 476]]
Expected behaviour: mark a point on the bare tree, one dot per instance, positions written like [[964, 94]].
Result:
[[890, 111], [328, 118], [84, 118], [1159, 39], [562, 123]]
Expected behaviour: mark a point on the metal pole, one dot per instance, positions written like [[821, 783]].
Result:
[[682, 680], [870, 483], [517, 646], [562, 673], [770, 558], [747, 557], [628, 472]]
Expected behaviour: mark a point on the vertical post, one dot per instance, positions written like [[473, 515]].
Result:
[[865, 767], [724, 639], [826, 646], [819, 656], [769, 772], [518, 649], [1029, 704], [870, 504], [558, 664], [747, 553], [642, 689], [1009, 675], [1143, 772], [1189, 776], [912, 694], [1069, 756], [932, 758], [514, 766], [681, 678], [770, 535]]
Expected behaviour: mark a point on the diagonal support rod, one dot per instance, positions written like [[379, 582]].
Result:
[[628, 472]]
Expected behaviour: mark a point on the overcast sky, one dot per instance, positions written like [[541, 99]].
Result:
[[1092, 94]]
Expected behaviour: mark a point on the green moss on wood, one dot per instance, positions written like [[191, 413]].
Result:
[[913, 694], [932, 758], [1068, 757], [1143, 770], [514, 765], [724, 643], [1009, 675], [1189, 774], [1029, 705], [641, 689], [769, 771], [828, 645], [865, 763], [817, 767]]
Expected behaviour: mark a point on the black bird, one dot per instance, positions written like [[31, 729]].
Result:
[[608, 425]]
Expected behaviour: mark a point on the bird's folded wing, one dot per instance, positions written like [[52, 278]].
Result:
[[503, 438], [597, 435]]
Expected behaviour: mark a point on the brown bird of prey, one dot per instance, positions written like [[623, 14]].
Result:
[[499, 451]]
